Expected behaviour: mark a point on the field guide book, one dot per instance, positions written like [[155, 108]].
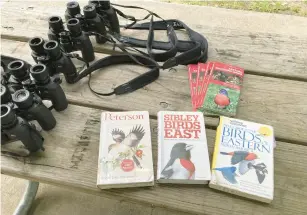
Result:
[[182, 148], [125, 154], [243, 159]]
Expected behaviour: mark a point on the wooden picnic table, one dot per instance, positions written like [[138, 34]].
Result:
[[270, 47]]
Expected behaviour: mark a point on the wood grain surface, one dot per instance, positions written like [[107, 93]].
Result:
[[263, 44], [71, 155], [278, 102]]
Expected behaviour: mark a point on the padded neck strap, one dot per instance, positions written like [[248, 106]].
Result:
[[131, 85], [194, 51]]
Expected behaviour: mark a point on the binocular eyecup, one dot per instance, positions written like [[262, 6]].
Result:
[[89, 11], [52, 48], [18, 69], [40, 73], [8, 117], [37, 45], [22, 98], [73, 8], [56, 24], [74, 27]]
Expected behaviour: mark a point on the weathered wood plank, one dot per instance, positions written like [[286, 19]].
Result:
[[72, 162], [258, 42], [277, 102]]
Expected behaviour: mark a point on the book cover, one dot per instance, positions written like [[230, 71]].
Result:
[[182, 148], [125, 154], [243, 159], [223, 89]]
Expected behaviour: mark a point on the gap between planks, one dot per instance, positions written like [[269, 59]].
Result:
[[102, 50]]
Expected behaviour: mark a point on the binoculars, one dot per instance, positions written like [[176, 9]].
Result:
[[41, 83], [28, 106], [98, 15], [75, 39], [50, 54], [11, 124]]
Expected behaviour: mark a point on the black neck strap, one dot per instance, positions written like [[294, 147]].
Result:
[[127, 87], [131, 85], [193, 51]]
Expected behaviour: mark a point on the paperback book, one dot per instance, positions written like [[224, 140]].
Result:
[[125, 154], [243, 159], [182, 148], [215, 88]]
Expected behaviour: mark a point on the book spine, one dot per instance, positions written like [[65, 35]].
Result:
[[217, 142], [159, 137]]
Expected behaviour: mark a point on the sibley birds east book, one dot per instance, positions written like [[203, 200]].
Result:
[[125, 154], [182, 148], [243, 159]]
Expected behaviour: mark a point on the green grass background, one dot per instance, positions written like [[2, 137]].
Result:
[[298, 8], [210, 106]]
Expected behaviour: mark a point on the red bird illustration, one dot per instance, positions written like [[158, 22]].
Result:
[[221, 99], [180, 165], [238, 156]]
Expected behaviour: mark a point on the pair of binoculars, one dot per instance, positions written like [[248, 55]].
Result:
[[108, 14], [75, 39], [43, 85], [11, 124], [90, 21], [28, 106], [50, 54]]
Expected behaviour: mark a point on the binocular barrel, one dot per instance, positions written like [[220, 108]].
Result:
[[25, 102], [37, 45], [40, 73], [74, 27], [73, 8], [18, 69], [52, 48], [8, 117], [56, 24], [89, 11], [19, 127], [49, 89], [5, 94]]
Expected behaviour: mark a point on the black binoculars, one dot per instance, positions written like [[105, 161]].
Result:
[[14, 125], [90, 21], [42, 84], [75, 39], [28, 106], [97, 16], [50, 54]]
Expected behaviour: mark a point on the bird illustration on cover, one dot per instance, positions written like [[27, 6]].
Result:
[[179, 165], [126, 149], [221, 99], [238, 156], [229, 173], [246, 162]]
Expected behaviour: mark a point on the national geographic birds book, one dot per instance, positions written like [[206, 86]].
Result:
[[182, 148], [125, 154], [243, 159]]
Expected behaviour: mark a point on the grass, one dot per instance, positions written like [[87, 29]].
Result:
[[210, 106], [298, 8]]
